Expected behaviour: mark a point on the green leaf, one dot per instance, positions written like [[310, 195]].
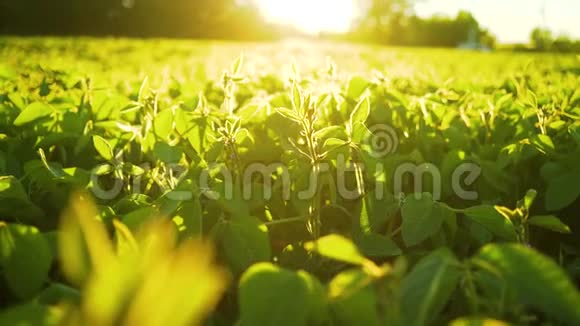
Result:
[[496, 177], [356, 87], [167, 153], [537, 279], [238, 65], [362, 135], [543, 144], [530, 198], [550, 222], [562, 191], [6, 243], [83, 242], [376, 211], [197, 136], [57, 293], [361, 111], [449, 224], [551, 170], [297, 99], [139, 217], [164, 124], [477, 321], [488, 217], [25, 258], [103, 147], [191, 213], [422, 218], [268, 295], [352, 300], [103, 169], [574, 131], [331, 132], [233, 203], [143, 90], [243, 241], [17, 100], [14, 201], [480, 234], [7, 73], [377, 245], [289, 114], [81, 143], [338, 248], [106, 105], [133, 169], [28, 314], [124, 240], [332, 144], [426, 290], [318, 312], [32, 113]]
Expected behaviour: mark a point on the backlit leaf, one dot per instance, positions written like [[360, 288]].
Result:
[[32, 113], [488, 217], [244, 242], [361, 111], [337, 247], [537, 279], [428, 287], [25, 258], [562, 191], [103, 148], [550, 222]]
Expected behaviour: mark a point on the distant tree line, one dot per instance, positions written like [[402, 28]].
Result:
[[543, 40], [385, 21], [394, 22], [229, 19], [390, 22]]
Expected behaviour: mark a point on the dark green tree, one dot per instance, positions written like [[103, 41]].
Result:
[[541, 39], [144, 18]]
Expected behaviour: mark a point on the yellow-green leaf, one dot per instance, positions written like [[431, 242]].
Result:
[[32, 113], [550, 222], [537, 280], [103, 148], [337, 247]]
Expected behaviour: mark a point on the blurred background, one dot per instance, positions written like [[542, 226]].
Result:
[[527, 25]]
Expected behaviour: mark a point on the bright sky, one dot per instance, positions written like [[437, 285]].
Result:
[[510, 20], [311, 16]]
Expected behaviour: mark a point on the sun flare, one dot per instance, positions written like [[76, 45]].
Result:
[[310, 16]]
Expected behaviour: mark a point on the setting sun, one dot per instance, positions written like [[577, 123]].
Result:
[[311, 16]]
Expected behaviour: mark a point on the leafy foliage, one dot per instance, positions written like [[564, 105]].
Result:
[[537, 279], [163, 162], [428, 287]]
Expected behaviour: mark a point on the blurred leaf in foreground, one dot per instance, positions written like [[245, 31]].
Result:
[[180, 280]]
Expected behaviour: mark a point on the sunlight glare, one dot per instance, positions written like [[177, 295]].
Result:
[[310, 16]]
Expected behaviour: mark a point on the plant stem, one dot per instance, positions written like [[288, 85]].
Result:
[[288, 220]]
